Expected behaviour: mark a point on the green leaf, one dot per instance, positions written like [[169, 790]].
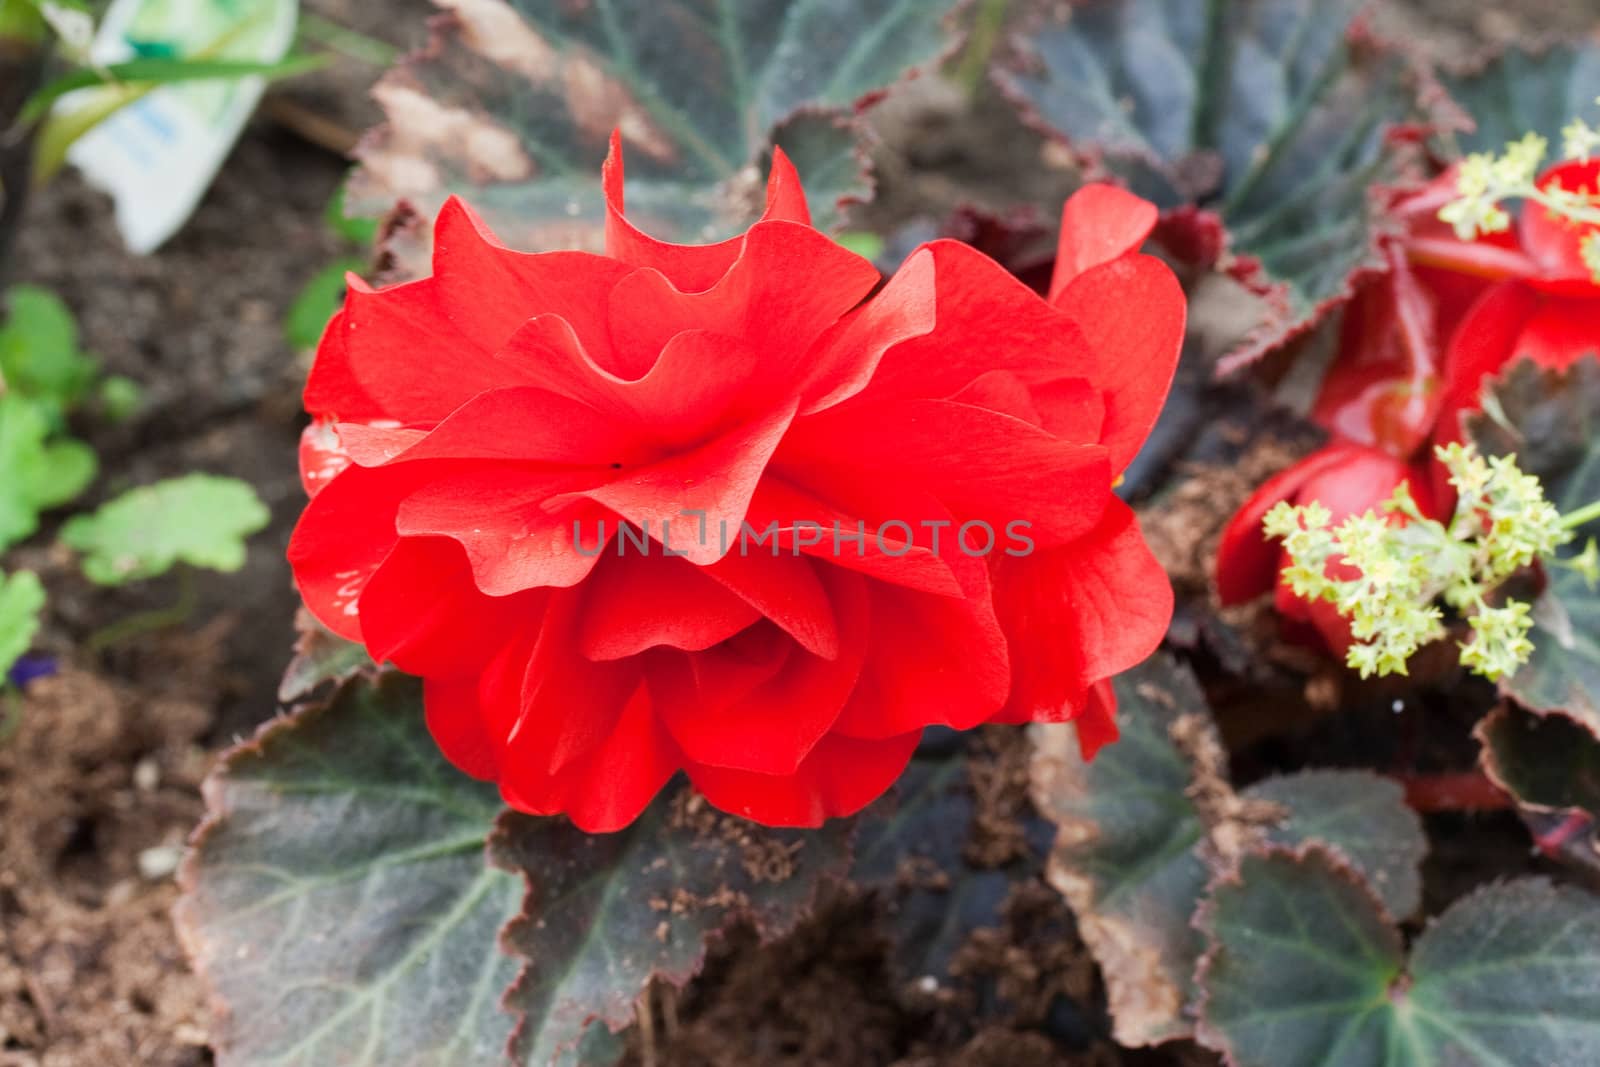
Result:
[[1136, 846], [154, 71], [358, 230], [1362, 816], [39, 353], [1522, 91], [1262, 112], [513, 104], [1551, 420], [607, 913], [925, 824], [40, 473], [1550, 764], [317, 302], [1305, 970], [21, 601], [337, 901], [198, 519], [320, 656]]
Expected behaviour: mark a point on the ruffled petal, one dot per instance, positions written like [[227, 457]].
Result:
[[788, 285], [633, 602], [692, 268], [767, 729], [983, 466], [931, 661], [610, 786], [422, 612], [1082, 613], [514, 538], [343, 536], [1099, 223], [841, 776], [1131, 312]]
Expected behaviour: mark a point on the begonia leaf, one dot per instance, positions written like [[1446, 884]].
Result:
[[320, 656], [1551, 420], [41, 471], [21, 600], [198, 519], [911, 848], [1270, 116], [513, 102], [1521, 91], [337, 900], [1550, 764], [606, 914], [1137, 845], [1305, 968]]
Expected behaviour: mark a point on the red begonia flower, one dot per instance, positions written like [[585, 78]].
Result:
[[1415, 349], [592, 500], [1345, 478]]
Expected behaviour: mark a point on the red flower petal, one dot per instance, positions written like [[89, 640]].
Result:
[[422, 612], [692, 268], [1131, 312], [840, 777], [634, 602], [1483, 343], [1099, 223], [345, 533], [1561, 332], [1081, 613], [1248, 563], [767, 728], [1097, 725], [1554, 241], [608, 788], [487, 291], [755, 300], [983, 466], [931, 661]]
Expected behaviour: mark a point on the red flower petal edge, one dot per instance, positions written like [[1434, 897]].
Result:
[[739, 510]]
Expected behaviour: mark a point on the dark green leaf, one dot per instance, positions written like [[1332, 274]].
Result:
[[317, 302], [1125, 855], [1262, 111], [1144, 825], [1522, 91], [1551, 765], [513, 105], [912, 850], [1364, 818], [1551, 420], [198, 519], [607, 913], [21, 601], [337, 900], [320, 657], [1304, 969]]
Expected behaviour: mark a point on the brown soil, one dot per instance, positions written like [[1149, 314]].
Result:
[[99, 784]]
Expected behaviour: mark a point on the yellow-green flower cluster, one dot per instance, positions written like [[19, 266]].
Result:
[[1386, 573], [1485, 181]]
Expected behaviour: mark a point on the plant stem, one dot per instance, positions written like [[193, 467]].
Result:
[[1584, 515], [347, 42], [1454, 791], [150, 621]]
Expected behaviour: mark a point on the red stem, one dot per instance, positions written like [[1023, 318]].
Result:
[[1453, 791]]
